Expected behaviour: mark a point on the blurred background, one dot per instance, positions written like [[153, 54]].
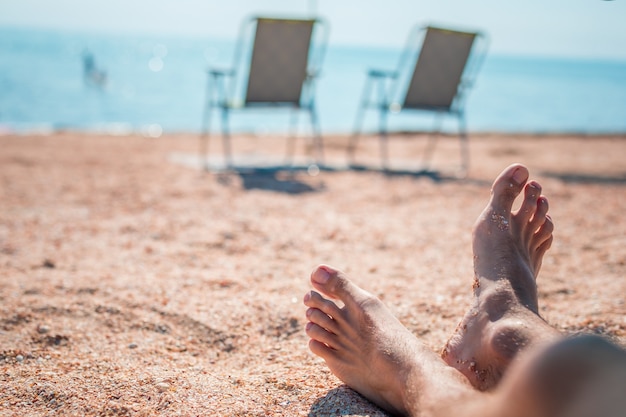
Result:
[[557, 66]]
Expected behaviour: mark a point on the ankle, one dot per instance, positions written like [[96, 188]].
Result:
[[496, 300], [507, 337]]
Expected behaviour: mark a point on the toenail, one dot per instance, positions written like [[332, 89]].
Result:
[[519, 176], [322, 276], [307, 297]]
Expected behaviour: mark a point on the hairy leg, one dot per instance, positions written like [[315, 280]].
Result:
[[508, 251], [370, 351], [366, 347], [576, 377]]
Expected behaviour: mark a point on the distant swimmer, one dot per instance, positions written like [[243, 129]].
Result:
[[92, 74]]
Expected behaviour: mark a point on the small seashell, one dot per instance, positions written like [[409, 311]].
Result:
[[162, 386]]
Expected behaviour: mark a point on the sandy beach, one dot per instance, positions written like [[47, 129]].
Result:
[[134, 283]]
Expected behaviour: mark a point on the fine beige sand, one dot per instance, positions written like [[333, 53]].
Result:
[[134, 283]]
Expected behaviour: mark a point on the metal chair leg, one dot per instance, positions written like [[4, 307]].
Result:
[[204, 144], [432, 142], [317, 134], [464, 144], [384, 151], [228, 159], [352, 146], [291, 138]]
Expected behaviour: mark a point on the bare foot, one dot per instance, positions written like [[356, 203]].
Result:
[[366, 347], [508, 251]]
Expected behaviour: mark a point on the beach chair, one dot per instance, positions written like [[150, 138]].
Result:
[[276, 63], [435, 71]]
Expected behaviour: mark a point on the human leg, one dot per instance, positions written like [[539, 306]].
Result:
[[366, 347], [370, 351], [582, 376], [508, 250], [374, 354]]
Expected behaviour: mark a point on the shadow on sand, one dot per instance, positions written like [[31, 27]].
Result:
[[297, 179], [342, 401], [572, 177]]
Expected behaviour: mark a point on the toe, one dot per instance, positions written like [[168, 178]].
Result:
[[322, 319], [542, 249], [336, 285], [314, 300], [321, 335], [540, 252], [532, 191], [543, 234], [507, 187], [321, 350], [539, 218]]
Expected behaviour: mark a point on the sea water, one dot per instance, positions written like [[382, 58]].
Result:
[[156, 84]]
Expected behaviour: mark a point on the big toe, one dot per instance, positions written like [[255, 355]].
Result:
[[335, 284], [507, 186]]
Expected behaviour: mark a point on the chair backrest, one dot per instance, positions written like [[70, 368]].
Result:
[[279, 62], [439, 69]]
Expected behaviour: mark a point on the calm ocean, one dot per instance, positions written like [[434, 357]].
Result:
[[158, 83]]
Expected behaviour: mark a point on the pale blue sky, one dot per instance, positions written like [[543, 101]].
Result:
[[577, 28]]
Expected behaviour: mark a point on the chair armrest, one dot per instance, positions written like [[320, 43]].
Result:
[[375, 73], [221, 72], [217, 86]]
